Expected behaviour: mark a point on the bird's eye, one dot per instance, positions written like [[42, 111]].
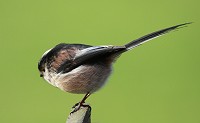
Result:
[[43, 70]]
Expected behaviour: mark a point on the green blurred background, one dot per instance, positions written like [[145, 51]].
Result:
[[158, 82]]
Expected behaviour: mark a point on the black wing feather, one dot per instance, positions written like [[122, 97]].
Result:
[[89, 54]]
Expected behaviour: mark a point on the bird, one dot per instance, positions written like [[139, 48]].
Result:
[[84, 69]]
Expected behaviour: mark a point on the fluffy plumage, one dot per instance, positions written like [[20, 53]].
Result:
[[79, 68]]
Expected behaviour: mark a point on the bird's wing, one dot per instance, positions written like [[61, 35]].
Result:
[[96, 52], [89, 54]]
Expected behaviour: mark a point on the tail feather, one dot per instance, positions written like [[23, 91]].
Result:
[[153, 35]]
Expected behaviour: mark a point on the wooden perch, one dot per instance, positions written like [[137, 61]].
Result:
[[82, 115]]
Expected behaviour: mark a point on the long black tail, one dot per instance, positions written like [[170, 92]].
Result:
[[153, 35]]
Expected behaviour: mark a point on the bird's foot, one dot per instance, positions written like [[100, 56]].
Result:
[[78, 106]]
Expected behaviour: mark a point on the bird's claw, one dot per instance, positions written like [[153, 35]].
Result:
[[78, 106]]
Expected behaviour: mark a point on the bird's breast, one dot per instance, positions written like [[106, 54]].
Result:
[[83, 79]]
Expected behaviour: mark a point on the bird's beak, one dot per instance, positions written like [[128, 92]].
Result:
[[41, 74]]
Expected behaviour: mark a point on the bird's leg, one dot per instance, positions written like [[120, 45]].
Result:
[[77, 106], [84, 98]]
